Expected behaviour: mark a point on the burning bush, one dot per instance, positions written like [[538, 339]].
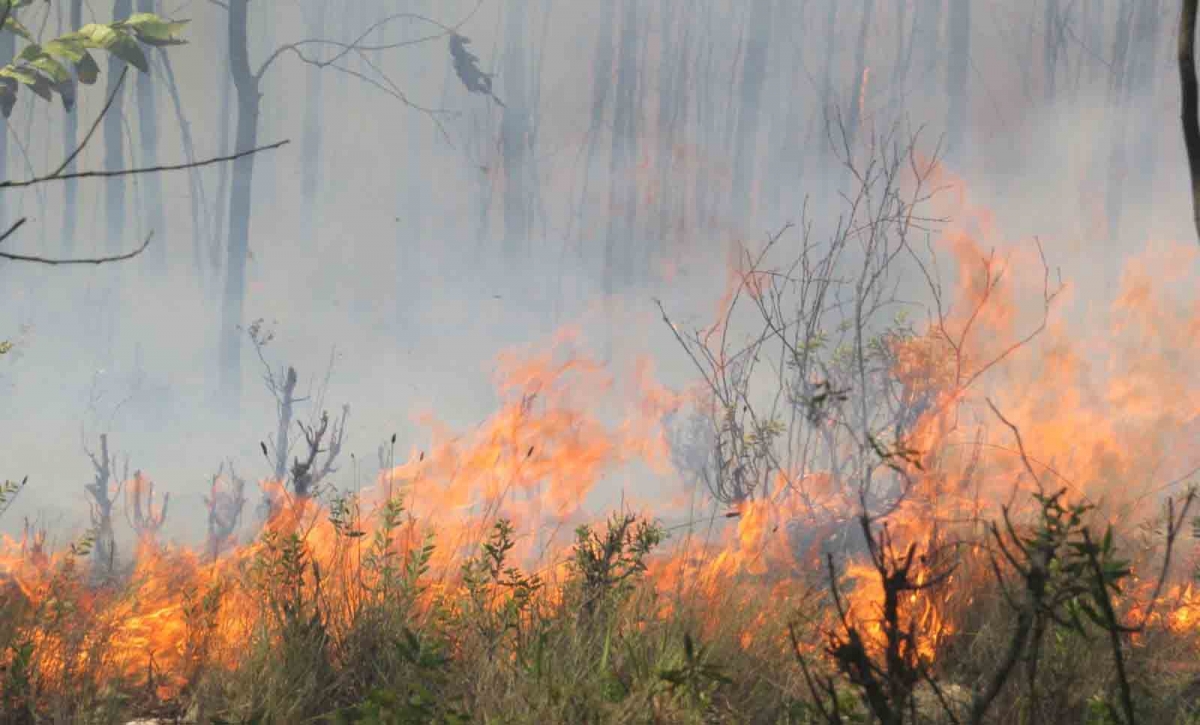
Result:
[[862, 545]]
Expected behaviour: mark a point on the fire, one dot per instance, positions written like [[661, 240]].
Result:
[[1094, 416]]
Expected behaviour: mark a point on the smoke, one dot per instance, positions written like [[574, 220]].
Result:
[[403, 290]]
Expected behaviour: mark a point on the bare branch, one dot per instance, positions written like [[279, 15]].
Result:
[[141, 170], [95, 124], [71, 261]]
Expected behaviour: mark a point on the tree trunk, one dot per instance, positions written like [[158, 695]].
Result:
[[70, 139], [222, 195], [670, 68], [514, 136], [860, 74], [622, 193], [1052, 37], [151, 184], [754, 73], [602, 68], [958, 63], [114, 144], [238, 242], [310, 147], [272, 117], [1144, 76], [784, 165], [1187, 81], [1119, 102], [828, 99], [411, 211], [196, 196]]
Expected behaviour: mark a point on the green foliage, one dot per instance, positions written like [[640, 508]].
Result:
[[16, 686], [605, 563], [500, 597], [1063, 536], [414, 700], [697, 677], [55, 66], [399, 579]]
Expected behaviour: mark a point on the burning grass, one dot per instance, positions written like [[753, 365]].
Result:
[[443, 593], [876, 519]]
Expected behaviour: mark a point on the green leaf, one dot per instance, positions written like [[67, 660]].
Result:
[[36, 82], [15, 26], [8, 96], [116, 42], [87, 70], [153, 30], [68, 47], [52, 68]]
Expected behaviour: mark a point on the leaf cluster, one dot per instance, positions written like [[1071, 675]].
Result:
[[56, 66]]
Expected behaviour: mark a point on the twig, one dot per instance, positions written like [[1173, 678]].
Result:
[[141, 170], [84, 260], [95, 124], [1114, 629]]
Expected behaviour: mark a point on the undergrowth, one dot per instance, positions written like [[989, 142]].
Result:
[[372, 634]]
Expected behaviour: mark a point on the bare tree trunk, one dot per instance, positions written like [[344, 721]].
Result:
[[860, 74], [310, 148], [8, 48], [249, 102], [1093, 31], [196, 196], [411, 210], [1052, 37], [151, 184], [618, 246], [671, 67], [1119, 94], [785, 160], [828, 98], [754, 73], [114, 144], [222, 195], [905, 37], [956, 78], [929, 40], [271, 116], [70, 138], [1187, 81], [514, 135], [602, 67], [1144, 76]]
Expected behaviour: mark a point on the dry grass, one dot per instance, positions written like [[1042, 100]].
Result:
[[595, 639]]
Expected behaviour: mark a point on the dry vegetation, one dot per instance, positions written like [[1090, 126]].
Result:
[[874, 555]]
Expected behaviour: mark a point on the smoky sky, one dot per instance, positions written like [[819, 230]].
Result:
[[400, 269]]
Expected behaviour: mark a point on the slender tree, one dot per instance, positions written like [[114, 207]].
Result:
[[1119, 100], [618, 245], [152, 201], [114, 146], [8, 48], [515, 132], [957, 66], [247, 84], [1190, 98], [310, 147], [858, 97], [70, 136], [750, 89]]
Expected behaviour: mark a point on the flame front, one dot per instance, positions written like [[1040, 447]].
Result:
[[1100, 416]]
